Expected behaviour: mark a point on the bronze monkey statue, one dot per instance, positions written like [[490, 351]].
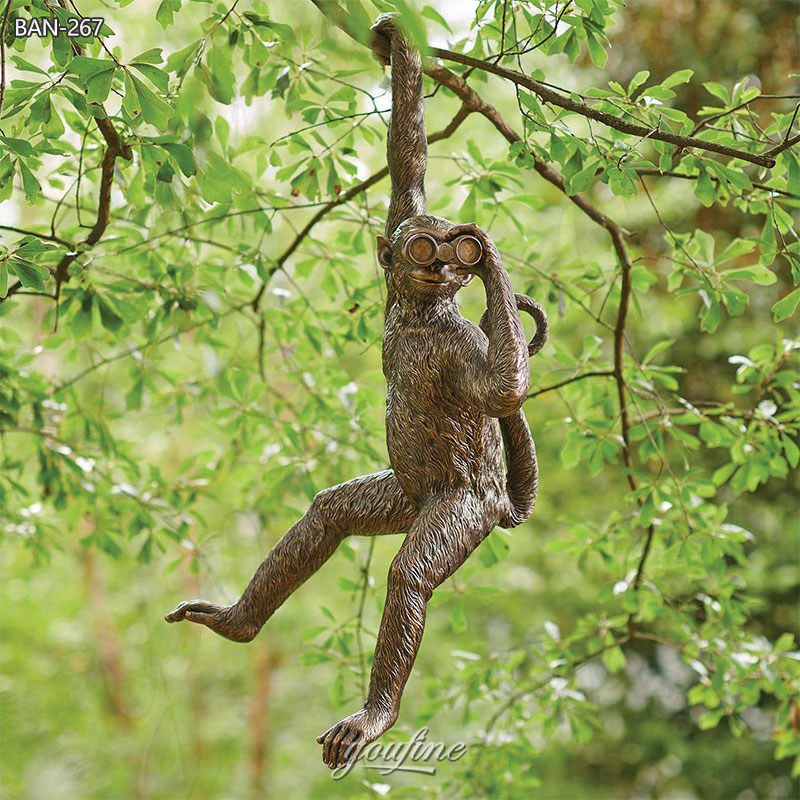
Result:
[[455, 393]]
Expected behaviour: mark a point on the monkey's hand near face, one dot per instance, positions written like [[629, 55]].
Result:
[[496, 380]]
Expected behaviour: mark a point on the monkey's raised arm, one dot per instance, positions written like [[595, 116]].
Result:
[[407, 146]]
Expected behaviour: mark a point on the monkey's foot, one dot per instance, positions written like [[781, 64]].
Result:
[[342, 743], [224, 620]]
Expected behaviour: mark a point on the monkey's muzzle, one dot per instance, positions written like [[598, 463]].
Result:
[[422, 249]]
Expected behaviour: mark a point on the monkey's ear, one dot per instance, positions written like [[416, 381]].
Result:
[[384, 252]]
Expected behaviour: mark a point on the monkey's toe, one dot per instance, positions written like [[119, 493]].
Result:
[[180, 611]]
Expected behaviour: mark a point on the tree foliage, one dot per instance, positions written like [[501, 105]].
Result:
[[190, 325]]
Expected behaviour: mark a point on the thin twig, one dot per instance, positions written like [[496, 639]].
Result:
[[45, 236], [785, 145], [600, 373], [668, 173]]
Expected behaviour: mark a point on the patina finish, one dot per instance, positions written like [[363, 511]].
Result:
[[454, 400]]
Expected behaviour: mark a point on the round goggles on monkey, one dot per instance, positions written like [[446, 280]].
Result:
[[422, 249]]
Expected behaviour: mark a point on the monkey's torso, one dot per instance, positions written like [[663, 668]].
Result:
[[437, 440]]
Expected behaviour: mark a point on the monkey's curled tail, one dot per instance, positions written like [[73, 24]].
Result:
[[522, 470]]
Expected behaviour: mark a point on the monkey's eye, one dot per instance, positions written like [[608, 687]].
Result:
[[385, 255]]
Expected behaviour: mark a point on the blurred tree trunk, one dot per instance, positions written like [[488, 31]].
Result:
[[258, 719], [109, 650]]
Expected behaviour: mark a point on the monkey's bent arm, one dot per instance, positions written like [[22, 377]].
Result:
[[499, 384], [407, 146]]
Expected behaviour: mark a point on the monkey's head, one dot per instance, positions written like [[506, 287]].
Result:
[[421, 260]]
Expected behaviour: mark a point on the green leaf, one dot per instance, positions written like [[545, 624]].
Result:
[[738, 247], [657, 348], [30, 275], [3, 279], [755, 273], [558, 149], [709, 720], [718, 90], [769, 247], [432, 14], [109, 317], [26, 66], [96, 75], [41, 109], [53, 128], [622, 181], [19, 146], [677, 78], [786, 306], [581, 181], [217, 73], [151, 56], [85, 67], [98, 86], [710, 313], [638, 79], [659, 92], [154, 109], [792, 168], [596, 50], [791, 450], [183, 156], [458, 619], [179, 61], [704, 189], [614, 660], [165, 13], [156, 76], [30, 184], [532, 104], [734, 176]]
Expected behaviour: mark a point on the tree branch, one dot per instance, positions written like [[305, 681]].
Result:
[[785, 145], [549, 95], [475, 102], [115, 148]]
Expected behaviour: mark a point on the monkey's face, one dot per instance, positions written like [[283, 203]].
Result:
[[421, 260]]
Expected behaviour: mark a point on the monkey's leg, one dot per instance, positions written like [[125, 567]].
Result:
[[449, 527], [368, 505]]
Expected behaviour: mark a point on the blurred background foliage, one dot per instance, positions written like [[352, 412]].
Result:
[[190, 349]]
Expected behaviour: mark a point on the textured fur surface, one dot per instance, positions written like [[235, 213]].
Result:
[[454, 396]]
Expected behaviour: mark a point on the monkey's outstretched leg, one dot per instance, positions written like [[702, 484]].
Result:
[[368, 505], [449, 527]]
